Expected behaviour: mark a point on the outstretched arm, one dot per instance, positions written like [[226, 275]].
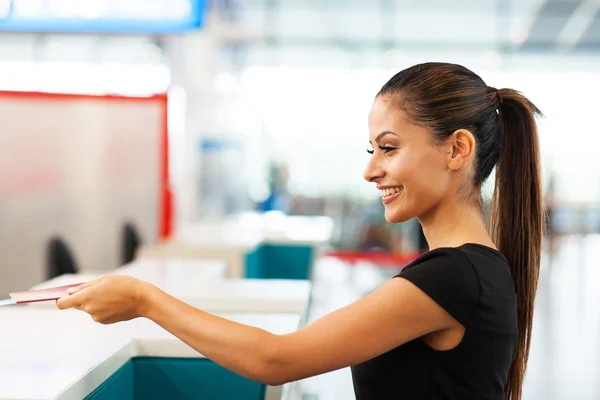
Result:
[[392, 315]]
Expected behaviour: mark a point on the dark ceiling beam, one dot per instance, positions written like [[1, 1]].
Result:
[[272, 13], [549, 22], [590, 37], [387, 9]]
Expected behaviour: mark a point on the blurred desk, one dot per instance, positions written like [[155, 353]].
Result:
[[206, 246], [48, 354], [271, 245]]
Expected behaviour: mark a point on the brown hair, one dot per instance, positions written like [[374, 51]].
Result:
[[447, 97]]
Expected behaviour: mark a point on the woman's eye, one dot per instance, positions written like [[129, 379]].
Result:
[[385, 149]]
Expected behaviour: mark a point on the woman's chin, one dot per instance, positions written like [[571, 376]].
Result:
[[397, 216]]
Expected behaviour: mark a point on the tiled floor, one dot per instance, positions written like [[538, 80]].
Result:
[[565, 353]]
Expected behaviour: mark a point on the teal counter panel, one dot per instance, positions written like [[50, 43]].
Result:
[[275, 261], [287, 261], [255, 263], [151, 378], [119, 386]]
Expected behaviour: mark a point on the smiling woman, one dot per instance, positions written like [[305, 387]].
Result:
[[455, 323], [438, 131]]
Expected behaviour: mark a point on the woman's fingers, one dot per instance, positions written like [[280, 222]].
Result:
[[72, 301], [76, 289]]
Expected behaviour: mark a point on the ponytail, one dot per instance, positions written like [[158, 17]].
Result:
[[516, 217]]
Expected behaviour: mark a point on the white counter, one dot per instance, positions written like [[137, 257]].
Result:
[[198, 283], [63, 355]]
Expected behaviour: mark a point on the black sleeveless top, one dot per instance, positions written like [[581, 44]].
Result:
[[474, 285]]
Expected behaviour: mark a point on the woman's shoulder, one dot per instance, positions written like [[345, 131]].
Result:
[[440, 264], [468, 254], [469, 264]]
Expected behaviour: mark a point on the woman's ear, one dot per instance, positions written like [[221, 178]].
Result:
[[461, 148]]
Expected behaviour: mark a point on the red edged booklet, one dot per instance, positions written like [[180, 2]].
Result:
[[33, 296]]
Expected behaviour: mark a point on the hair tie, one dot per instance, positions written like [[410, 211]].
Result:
[[499, 96]]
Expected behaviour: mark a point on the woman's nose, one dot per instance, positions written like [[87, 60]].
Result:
[[373, 171]]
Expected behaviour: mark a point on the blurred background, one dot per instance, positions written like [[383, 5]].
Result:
[[127, 121]]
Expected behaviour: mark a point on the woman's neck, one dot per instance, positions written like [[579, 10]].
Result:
[[454, 224]]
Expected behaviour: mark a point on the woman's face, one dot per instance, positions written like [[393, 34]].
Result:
[[410, 170]]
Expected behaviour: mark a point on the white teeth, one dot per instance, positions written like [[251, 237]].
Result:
[[390, 191]]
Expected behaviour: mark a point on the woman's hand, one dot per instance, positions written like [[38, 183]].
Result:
[[109, 299]]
